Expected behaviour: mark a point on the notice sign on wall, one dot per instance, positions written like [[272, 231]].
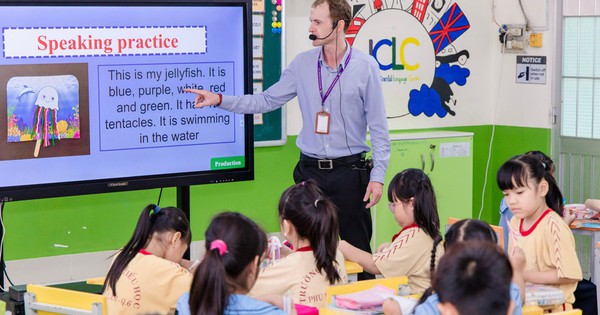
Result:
[[531, 69]]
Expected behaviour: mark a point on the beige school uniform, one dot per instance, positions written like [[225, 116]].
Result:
[[548, 245], [297, 273], [409, 255], [148, 285]]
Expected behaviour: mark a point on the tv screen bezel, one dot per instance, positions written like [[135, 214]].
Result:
[[108, 185]]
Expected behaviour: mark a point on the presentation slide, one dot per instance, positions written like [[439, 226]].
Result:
[[96, 92]]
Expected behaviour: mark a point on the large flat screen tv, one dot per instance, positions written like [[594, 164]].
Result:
[[91, 96]]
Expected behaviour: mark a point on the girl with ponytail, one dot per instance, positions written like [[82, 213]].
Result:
[[537, 226], [234, 247], [415, 250], [148, 274], [309, 222]]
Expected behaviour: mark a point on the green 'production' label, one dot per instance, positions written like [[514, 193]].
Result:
[[224, 163]]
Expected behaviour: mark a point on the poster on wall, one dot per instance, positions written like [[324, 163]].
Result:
[[531, 69], [416, 44]]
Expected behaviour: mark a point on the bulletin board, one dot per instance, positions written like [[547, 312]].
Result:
[[268, 52]]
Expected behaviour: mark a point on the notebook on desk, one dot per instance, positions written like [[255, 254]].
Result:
[[370, 301]]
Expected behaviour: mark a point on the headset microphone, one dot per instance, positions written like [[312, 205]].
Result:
[[313, 36]]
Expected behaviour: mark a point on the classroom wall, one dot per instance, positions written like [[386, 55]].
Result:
[[490, 103], [491, 94]]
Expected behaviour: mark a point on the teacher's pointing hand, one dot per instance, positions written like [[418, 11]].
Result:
[[205, 98]]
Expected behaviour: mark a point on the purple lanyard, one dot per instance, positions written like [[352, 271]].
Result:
[[337, 77]]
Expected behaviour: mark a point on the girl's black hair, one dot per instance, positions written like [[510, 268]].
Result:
[[153, 219], [463, 231], [218, 276], [469, 230], [546, 160], [517, 171], [475, 277], [411, 183], [315, 218]]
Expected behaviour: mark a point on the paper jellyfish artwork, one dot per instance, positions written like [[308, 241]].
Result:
[[43, 109], [44, 118]]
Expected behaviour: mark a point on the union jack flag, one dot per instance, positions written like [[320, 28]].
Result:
[[452, 24]]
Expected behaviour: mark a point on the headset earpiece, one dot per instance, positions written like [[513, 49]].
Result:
[[335, 24]]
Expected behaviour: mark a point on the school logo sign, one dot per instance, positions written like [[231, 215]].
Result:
[[413, 43]]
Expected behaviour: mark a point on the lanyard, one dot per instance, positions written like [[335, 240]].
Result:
[[335, 80]]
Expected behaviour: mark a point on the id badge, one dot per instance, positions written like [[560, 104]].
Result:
[[322, 126]]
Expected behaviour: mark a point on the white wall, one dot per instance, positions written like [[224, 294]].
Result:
[[491, 95], [528, 105]]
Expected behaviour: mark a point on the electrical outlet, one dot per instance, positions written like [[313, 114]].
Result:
[[517, 32], [513, 38], [515, 44]]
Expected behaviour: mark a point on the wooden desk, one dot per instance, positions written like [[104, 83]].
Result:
[[352, 269], [587, 241]]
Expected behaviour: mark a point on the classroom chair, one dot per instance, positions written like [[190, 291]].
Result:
[[41, 300], [498, 229], [392, 282]]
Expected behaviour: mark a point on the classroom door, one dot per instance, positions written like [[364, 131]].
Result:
[[577, 128]]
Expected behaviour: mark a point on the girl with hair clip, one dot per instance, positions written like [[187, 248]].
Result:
[[309, 222], [416, 248], [148, 274], [468, 230], [506, 214], [537, 226], [234, 247]]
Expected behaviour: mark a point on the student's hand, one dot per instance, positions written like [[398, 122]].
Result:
[[204, 98], [391, 307], [593, 204], [382, 247], [568, 216], [517, 259], [374, 190], [284, 251]]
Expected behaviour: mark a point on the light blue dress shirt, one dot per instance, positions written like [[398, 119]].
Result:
[[355, 103]]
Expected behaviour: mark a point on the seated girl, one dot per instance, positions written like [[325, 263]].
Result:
[[416, 248], [309, 222], [234, 247], [148, 274]]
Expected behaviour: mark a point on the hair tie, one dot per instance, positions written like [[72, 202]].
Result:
[[220, 245], [156, 210], [316, 202], [543, 164], [302, 183]]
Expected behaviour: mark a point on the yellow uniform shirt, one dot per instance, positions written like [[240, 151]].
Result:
[[548, 245], [297, 273], [148, 285], [409, 255]]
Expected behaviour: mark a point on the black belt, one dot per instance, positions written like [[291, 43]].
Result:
[[328, 164]]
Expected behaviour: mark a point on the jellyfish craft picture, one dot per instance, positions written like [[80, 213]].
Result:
[[44, 118], [43, 109]]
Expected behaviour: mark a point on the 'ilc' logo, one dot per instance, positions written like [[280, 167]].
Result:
[[391, 43]]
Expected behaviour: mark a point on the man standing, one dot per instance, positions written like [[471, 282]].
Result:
[[339, 94]]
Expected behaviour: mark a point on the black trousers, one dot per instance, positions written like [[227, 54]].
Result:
[[346, 187]]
